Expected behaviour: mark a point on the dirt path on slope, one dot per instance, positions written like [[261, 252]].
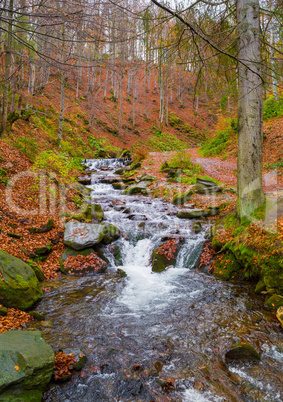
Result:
[[226, 171]]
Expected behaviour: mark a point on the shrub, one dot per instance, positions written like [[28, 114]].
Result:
[[60, 163], [27, 146], [272, 108], [221, 140]]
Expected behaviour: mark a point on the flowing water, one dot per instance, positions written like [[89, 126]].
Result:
[[147, 327]]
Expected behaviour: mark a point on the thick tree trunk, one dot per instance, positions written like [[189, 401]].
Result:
[[250, 137]]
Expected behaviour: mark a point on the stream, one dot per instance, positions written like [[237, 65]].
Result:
[[140, 330]]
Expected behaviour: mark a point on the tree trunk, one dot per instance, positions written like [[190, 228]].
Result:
[[250, 137]]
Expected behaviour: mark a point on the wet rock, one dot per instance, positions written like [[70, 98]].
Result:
[[37, 316], [137, 217], [119, 171], [121, 273], [145, 177], [80, 236], [156, 368], [19, 287], [117, 255], [166, 384], [119, 208], [242, 351], [197, 227], [181, 199], [260, 287], [166, 255], [96, 212], [274, 302], [206, 187], [85, 180], [132, 389], [83, 264], [69, 252], [44, 228], [127, 211], [135, 189], [118, 202], [119, 186], [109, 180], [80, 357], [279, 315], [26, 364], [198, 213]]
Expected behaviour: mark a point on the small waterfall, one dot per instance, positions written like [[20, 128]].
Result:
[[97, 163]]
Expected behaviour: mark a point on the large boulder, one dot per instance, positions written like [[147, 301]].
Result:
[[19, 286], [84, 235], [166, 255], [26, 365]]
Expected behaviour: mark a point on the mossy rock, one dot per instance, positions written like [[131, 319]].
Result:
[[96, 212], [226, 267], [279, 315], [17, 395], [243, 352], [80, 357], [119, 186], [26, 362], [198, 213], [135, 189], [117, 255], [37, 270], [260, 287], [181, 199], [121, 273], [197, 227], [20, 287], [160, 261], [44, 228], [43, 251], [274, 302]]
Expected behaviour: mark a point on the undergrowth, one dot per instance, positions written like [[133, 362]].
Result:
[[163, 142], [222, 139], [272, 108]]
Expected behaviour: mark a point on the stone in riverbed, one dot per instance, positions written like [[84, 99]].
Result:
[[19, 287], [26, 365], [198, 213], [80, 236], [166, 255], [85, 180], [242, 351], [279, 315], [197, 227], [274, 302], [206, 187], [181, 199], [83, 264]]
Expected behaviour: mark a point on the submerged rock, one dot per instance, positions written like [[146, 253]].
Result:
[[80, 236], [26, 365], [85, 180], [79, 355], [166, 255], [19, 287], [242, 351]]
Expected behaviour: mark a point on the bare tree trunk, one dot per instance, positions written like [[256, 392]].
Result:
[[61, 116], [4, 112], [273, 67], [250, 137]]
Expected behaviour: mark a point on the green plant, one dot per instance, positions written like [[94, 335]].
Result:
[[221, 140], [60, 163], [27, 146], [272, 108], [3, 174]]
